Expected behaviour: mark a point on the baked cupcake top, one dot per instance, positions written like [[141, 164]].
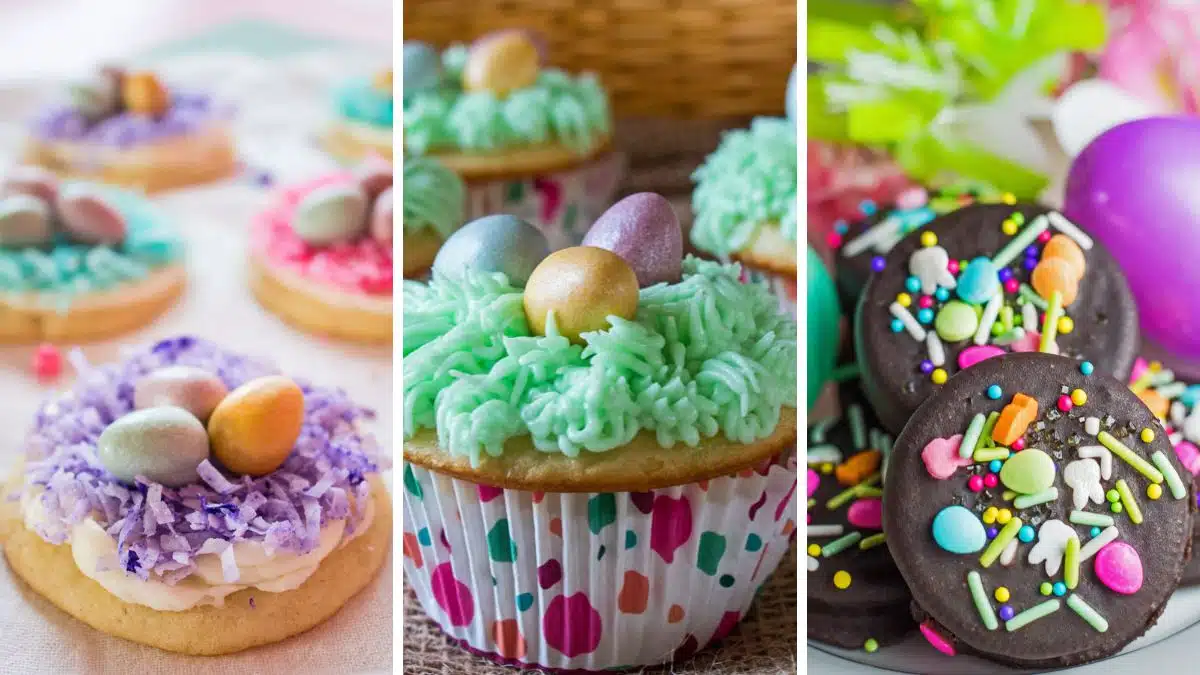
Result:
[[124, 109], [367, 100], [433, 197], [165, 511], [580, 351], [334, 230], [747, 185], [496, 95], [60, 240]]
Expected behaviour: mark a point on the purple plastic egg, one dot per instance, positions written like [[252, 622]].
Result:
[[88, 217], [1134, 188], [644, 230]]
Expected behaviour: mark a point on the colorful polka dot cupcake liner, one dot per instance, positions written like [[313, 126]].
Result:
[[562, 204], [594, 582]]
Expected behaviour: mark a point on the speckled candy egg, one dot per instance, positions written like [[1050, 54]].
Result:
[[193, 389], [254, 428], [499, 243], [164, 444], [501, 64], [89, 217], [32, 180], [382, 216], [583, 286], [374, 175], [144, 94], [96, 97], [330, 214], [24, 221], [422, 66], [644, 230]]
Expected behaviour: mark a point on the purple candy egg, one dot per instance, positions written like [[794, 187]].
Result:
[[88, 216], [1134, 189], [644, 230]]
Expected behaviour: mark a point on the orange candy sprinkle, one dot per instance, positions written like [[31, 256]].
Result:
[[1055, 274], [1015, 419], [852, 471]]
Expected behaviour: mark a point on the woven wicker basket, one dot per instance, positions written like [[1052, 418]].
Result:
[[683, 59]]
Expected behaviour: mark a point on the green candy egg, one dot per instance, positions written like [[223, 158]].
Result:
[[164, 444], [1028, 472], [824, 315], [331, 214]]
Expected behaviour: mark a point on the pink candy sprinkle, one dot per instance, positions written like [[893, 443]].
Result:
[[990, 480], [1064, 403], [866, 513], [834, 239], [925, 302], [976, 353], [1189, 456], [1011, 286], [975, 483], [936, 640], [952, 266], [912, 198], [814, 481], [1119, 567], [1018, 445], [1044, 237], [47, 361]]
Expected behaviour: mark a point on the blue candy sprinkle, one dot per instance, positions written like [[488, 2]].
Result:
[[1095, 532], [925, 315], [995, 465], [867, 207], [913, 285], [994, 392], [897, 325], [878, 263], [941, 294], [1060, 589], [1025, 534], [841, 227], [1086, 368]]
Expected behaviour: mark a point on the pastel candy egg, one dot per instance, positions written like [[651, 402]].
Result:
[[956, 321], [374, 176], [1119, 567], [193, 389], [1055, 274], [957, 530], [330, 214], [96, 97], [164, 444], [89, 217], [1028, 472], [644, 230], [499, 243], [24, 221], [979, 282], [1064, 248], [254, 428], [422, 66], [382, 215], [144, 94], [32, 180], [501, 64], [583, 286]]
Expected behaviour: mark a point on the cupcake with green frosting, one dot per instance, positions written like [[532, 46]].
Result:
[[612, 411], [528, 139], [433, 210], [362, 126]]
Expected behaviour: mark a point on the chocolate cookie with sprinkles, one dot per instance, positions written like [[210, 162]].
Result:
[[1037, 512], [980, 282], [1177, 405], [856, 596]]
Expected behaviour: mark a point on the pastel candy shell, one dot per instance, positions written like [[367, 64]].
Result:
[[144, 94], [957, 530], [644, 230], [24, 221], [193, 389], [382, 216], [374, 176], [501, 64], [1055, 274], [89, 217], [331, 214], [582, 286], [163, 444], [1119, 567], [32, 180], [255, 427], [1064, 248], [496, 243]]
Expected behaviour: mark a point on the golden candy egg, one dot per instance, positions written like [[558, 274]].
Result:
[[144, 94], [254, 428], [501, 64], [583, 286]]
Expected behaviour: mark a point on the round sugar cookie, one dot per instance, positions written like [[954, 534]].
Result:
[[208, 631], [321, 309], [1061, 536]]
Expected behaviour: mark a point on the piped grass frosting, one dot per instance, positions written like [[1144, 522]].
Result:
[[159, 530], [704, 356], [558, 108], [748, 182], [433, 197]]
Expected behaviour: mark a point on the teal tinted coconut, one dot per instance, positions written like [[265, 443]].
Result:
[[528, 139], [612, 411], [362, 125], [81, 261]]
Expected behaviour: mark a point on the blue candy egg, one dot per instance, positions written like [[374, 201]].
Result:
[[422, 66], [979, 282], [957, 530]]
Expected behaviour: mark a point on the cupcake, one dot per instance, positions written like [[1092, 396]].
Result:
[[529, 140], [81, 261], [321, 254], [599, 447], [129, 128], [433, 210], [197, 501], [745, 202], [363, 123]]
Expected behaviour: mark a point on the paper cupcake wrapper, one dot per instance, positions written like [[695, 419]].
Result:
[[591, 582], [563, 204], [783, 287]]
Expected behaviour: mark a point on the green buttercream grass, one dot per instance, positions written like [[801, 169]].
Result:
[[750, 180], [65, 270], [558, 108], [433, 197], [707, 355]]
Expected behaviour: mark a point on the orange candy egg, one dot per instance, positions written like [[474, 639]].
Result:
[[144, 94], [1064, 248], [1055, 274], [253, 429]]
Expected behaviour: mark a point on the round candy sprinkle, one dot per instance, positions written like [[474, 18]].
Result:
[[1065, 325], [1064, 403], [957, 530], [925, 316], [1078, 397], [975, 483], [912, 285], [1025, 534], [928, 239], [841, 227], [989, 515], [871, 646], [1119, 567], [1116, 507], [994, 465], [841, 579], [941, 294], [1087, 368], [1060, 589], [47, 362], [867, 207], [1006, 612], [1046, 588], [992, 532], [1008, 227], [1018, 445], [1003, 516], [990, 480], [994, 392], [956, 321], [1147, 435], [897, 325], [1154, 491], [1002, 594], [814, 550], [925, 302], [904, 299], [939, 376], [1094, 532], [1113, 496], [952, 267], [926, 366], [1011, 286], [878, 264]]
